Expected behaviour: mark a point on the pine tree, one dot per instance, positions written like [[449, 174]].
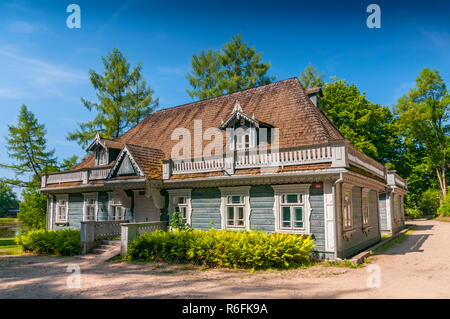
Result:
[[123, 100], [235, 67], [27, 146], [310, 77]]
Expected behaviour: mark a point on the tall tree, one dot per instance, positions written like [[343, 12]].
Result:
[[33, 208], [310, 77], [207, 77], [123, 100], [8, 198], [243, 67], [27, 146], [423, 114], [234, 67], [370, 127]]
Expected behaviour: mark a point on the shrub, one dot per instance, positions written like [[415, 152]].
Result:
[[444, 209], [64, 242], [429, 202], [222, 248], [413, 213]]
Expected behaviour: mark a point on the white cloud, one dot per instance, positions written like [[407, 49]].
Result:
[[25, 27]]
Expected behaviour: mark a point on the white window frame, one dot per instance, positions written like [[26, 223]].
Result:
[[283, 190], [87, 197], [241, 133], [175, 193], [113, 196], [59, 198], [243, 191], [99, 159], [347, 215], [365, 209]]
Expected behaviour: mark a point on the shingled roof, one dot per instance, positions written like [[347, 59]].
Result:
[[284, 105]]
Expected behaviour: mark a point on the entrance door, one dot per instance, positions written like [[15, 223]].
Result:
[[144, 208]]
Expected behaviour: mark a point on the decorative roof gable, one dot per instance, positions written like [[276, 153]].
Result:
[[236, 115]]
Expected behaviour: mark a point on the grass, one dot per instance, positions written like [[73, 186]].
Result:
[[7, 244]]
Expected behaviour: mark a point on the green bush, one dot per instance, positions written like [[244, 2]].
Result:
[[413, 213], [444, 209], [429, 202], [222, 248], [64, 242]]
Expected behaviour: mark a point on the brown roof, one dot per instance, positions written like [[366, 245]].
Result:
[[284, 104], [148, 159]]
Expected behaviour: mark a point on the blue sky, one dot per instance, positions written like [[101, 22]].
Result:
[[44, 64]]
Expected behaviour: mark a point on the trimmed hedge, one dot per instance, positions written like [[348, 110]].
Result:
[[222, 248], [65, 242]]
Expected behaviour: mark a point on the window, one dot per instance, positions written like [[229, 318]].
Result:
[[180, 201], [347, 212], [116, 210], [365, 207], [235, 207], [395, 207], [62, 208], [102, 156], [90, 207], [292, 208], [243, 138]]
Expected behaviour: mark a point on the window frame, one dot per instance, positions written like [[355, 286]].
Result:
[[98, 156], [175, 193], [365, 209], [113, 196], [86, 198], [285, 190], [347, 216], [244, 193], [59, 198]]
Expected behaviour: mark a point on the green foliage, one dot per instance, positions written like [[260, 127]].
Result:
[[176, 221], [68, 163], [222, 248], [8, 198], [311, 78], [235, 67], [429, 202], [423, 116], [444, 209], [413, 213], [33, 209], [27, 146], [123, 100], [64, 242], [370, 127]]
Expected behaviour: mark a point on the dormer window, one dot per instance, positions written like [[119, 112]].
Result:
[[102, 156]]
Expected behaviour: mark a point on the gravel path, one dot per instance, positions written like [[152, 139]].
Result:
[[416, 268]]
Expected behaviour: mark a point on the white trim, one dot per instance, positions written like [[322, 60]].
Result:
[[50, 208], [111, 196], [297, 189], [58, 198], [347, 188], [181, 193], [365, 195], [329, 216], [238, 191], [86, 197]]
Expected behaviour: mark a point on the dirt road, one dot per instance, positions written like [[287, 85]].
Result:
[[416, 268]]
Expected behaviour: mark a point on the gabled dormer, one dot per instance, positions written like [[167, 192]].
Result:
[[105, 150], [245, 130]]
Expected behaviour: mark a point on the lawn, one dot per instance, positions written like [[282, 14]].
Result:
[[8, 228]]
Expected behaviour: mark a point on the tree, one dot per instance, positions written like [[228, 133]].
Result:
[[27, 146], [8, 198], [33, 208], [234, 67], [123, 100], [423, 115], [68, 163], [242, 66], [310, 77], [207, 77], [370, 127]]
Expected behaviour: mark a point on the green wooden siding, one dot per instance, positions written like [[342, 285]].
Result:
[[261, 207], [317, 219], [205, 204]]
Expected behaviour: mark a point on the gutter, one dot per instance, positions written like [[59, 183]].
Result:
[[339, 180]]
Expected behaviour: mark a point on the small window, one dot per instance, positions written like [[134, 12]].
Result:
[[102, 156], [180, 201], [292, 211], [365, 210], [62, 209], [235, 211], [180, 204], [347, 209], [117, 211], [90, 207], [235, 207]]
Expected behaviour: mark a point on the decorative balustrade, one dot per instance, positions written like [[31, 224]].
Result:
[[98, 173], [131, 231], [84, 176], [92, 231], [186, 167], [64, 177], [362, 160]]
